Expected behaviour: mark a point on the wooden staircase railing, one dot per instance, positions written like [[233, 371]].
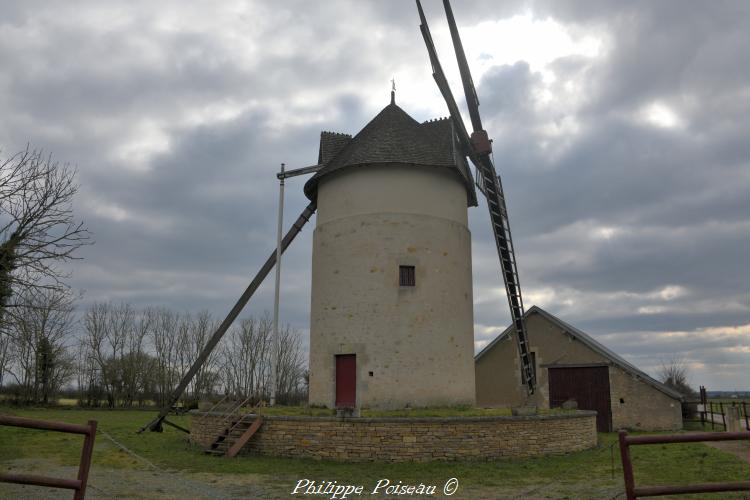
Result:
[[238, 428], [245, 437]]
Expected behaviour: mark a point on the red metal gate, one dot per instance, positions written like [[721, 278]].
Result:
[[78, 484], [632, 491], [346, 380], [588, 385]]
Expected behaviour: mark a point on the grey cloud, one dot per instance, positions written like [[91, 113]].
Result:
[[190, 224], [676, 199]]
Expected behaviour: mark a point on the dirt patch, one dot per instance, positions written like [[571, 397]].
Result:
[[146, 483], [740, 449], [134, 483]]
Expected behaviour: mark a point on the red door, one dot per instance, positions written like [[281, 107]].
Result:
[[589, 386], [346, 380]]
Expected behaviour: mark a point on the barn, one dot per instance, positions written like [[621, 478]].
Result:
[[571, 365]]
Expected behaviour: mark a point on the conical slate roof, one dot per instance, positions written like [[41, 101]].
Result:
[[393, 137]]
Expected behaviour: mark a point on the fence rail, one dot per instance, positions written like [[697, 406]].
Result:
[[78, 484], [715, 413], [632, 491]]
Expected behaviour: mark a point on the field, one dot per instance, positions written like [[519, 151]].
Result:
[[166, 466]]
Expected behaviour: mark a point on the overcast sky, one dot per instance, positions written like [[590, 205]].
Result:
[[620, 130]]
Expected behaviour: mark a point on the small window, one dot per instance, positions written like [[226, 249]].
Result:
[[406, 276]]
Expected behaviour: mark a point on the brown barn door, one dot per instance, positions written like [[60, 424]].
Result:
[[588, 385], [346, 380]]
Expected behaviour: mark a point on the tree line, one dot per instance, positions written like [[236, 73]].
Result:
[[117, 356], [113, 355]]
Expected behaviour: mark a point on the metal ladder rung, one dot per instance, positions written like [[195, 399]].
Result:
[[501, 228]]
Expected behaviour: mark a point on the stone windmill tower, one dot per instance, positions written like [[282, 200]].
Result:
[[391, 321], [392, 314]]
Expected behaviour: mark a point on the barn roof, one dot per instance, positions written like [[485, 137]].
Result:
[[589, 341], [394, 137]]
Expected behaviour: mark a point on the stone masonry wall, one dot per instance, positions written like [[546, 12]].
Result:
[[639, 406], [205, 428], [412, 439], [414, 345]]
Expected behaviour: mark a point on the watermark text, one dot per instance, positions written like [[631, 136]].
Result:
[[339, 491]]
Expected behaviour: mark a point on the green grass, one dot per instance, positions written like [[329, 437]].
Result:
[[448, 411], [454, 411], [296, 411], [572, 474]]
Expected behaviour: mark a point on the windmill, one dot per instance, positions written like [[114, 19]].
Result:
[[478, 147]]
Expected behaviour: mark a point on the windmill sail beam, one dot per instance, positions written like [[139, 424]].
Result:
[[155, 424], [472, 100], [442, 83], [479, 148]]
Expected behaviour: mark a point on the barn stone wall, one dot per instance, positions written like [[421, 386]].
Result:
[[636, 405], [412, 439]]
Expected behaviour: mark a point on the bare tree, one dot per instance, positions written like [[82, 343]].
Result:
[[131, 356], [96, 322], [135, 362], [41, 330], [115, 357], [37, 228], [4, 355], [88, 375], [164, 342], [247, 363], [128, 355], [245, 358], [207, 378], [674, 373], [290, 377]]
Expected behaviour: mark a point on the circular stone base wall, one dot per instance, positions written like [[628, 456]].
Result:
[[418, 439]]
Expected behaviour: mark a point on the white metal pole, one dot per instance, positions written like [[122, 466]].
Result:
[[275, 354]]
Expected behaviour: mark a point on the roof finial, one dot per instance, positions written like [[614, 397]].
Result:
[[393, 90]]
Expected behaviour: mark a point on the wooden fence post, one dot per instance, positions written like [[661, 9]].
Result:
[[86, 455], [627, 465]]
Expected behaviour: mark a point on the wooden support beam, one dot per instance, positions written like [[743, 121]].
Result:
[[178, 427], [155, 424]]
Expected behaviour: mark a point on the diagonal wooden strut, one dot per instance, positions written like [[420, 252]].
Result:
[[155, 424], [178, 427], [442, 83]]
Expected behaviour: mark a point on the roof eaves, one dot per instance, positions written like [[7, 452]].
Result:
[[592, 344], [340, 151], [489, 346], [604, 351]]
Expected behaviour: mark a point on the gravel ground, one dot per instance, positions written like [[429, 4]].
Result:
[[153, 484], [135, 483]]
